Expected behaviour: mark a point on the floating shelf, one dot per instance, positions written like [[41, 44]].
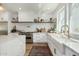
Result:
[[33, 22], [3, 21]]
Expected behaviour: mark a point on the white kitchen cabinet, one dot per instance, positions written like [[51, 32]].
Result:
[[60, 47], [12, 45], [56, 48], [50, 44], [39, 37], [57, 52], [70, 52], [4, 16]]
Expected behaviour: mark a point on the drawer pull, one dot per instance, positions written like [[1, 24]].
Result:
[[73, 55], [55, 51]]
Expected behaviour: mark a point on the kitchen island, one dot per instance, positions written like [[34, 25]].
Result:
[[12, 45]]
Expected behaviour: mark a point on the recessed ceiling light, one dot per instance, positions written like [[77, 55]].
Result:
[[20, 8]]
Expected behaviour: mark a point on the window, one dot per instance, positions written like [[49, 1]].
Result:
[[74, 18], [60, 19]]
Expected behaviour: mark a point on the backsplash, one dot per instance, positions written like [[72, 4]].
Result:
[[31, 27]]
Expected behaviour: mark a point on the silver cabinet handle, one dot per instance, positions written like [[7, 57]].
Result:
[[54, 50]]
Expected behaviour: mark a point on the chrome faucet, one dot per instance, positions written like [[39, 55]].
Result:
[[66, 30]]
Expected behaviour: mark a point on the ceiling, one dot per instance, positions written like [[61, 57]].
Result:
[[23, 6], [35, 7]]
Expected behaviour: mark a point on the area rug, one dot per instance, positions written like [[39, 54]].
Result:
[[40, 51]]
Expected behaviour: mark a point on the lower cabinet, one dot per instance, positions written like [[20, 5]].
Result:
[[57, 52], [39, 37], [58, 49], [70, 52], [51, 45], [12, 46], [55, 47]]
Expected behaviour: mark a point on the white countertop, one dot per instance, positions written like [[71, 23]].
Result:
[[74, 45], [11, 36], [57, 37]]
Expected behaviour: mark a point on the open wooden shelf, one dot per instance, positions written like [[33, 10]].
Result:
[[33, 22]]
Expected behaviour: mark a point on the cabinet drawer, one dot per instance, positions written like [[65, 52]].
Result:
[[56, 52], [39, 37]]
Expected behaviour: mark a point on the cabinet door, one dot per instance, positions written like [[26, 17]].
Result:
[[57, 52], [55, 47], [3, 50], [70, 52], [4, 16], [39, 37], [13, 46], [50, 44]]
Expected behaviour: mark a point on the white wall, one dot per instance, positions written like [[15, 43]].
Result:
[[33, 26], [27, 15]]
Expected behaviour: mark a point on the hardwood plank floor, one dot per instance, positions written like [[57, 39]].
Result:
[[28, 49]]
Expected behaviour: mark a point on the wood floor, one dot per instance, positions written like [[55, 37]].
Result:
[[28, 49], [37, 49]]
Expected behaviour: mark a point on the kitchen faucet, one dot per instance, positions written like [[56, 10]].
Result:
[[65, 30]]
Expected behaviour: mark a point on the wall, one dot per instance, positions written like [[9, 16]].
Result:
[[33, 26], [26, 16], [29, 16]]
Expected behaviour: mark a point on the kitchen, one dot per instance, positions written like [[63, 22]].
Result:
[[49, 26]]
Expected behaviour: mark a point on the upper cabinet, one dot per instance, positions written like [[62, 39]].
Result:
[[4, 16]]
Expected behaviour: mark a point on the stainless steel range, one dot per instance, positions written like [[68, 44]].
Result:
[[29, 37]]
